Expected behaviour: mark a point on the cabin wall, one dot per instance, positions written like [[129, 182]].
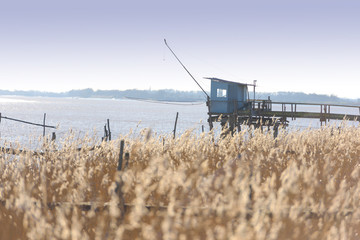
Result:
[[225, 96], [219, 102]]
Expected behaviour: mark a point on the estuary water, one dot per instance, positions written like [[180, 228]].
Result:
[[88, 116]]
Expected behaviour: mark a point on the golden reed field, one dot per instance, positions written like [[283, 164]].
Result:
[[301, 185]]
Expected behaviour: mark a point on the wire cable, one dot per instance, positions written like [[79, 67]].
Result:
[[165, 102]]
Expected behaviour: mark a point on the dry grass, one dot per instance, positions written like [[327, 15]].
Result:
[[301, 185]]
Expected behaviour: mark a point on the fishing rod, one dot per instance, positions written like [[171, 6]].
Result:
[[208, 97]]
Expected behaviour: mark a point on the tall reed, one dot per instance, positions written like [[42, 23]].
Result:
[[301, 185]]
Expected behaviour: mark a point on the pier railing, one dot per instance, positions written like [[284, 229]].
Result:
[[294, 110]]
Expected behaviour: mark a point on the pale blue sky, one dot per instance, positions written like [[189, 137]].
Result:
[[298, 45]]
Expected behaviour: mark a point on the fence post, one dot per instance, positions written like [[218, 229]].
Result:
[[109, 132], [121, 155], [127, 157], [119, 181], [53, 137], [177, 115], [105, 138]]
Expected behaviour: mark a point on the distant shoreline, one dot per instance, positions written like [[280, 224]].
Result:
[[176, 96]]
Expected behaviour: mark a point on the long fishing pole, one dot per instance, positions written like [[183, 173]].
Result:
[[208, 97]]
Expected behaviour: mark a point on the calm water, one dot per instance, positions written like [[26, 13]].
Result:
[[89, 116]]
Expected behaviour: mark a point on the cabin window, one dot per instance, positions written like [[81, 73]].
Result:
[[221, 93]]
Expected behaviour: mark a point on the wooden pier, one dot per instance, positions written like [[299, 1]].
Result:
[[230, 104], [269, 113]]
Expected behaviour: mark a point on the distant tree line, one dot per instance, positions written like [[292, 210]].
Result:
[[160, 95], [181, 96]]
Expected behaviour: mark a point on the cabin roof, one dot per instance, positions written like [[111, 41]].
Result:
[[226, 81]]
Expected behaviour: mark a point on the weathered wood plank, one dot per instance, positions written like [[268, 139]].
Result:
[[35, 124]]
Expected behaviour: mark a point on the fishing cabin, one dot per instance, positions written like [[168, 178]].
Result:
[[227, 96], [229, 103]]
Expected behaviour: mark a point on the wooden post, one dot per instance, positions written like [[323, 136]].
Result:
[[236, 122], [127, 157], [44, 124], [208, 104], [232, 123], [105, 138], [254, 88], [121, 155], [325, 111], [321, 115], [109, 132], [276, 129], [119, 181], [53, 136], [177, 115]]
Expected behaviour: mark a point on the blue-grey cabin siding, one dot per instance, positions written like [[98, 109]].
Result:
[[234, 93]]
